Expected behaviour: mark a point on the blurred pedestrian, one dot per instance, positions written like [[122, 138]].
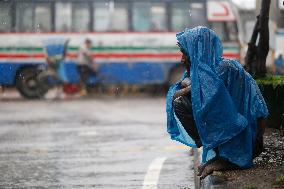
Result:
[[86, 65], [216, 105]]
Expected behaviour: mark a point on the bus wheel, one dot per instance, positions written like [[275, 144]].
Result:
[[175, 75], [28, 85]]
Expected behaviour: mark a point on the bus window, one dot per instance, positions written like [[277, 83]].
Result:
[[5, 17], [180, 16], [33, 17], [72, 17], [185, 14], [220, 29], [80, 17], [141, 16], [158, 17], [119, 21], [197, 13], [232, 31], [149, 17], [42, 18], [110, 16], [227, 31], [24, 14], [63, 15], [101, 16]]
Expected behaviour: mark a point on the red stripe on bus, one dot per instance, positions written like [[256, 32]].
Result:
[[90, 33], [108, 55], [99, 55], [18, 55], [230, 55]]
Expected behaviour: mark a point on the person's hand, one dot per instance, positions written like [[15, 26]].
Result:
[[186, 82], [182, 92]]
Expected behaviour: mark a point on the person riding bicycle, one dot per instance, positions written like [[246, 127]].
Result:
[[86, 64], [54, 76]]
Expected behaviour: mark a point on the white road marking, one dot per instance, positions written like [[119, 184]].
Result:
[[88, 133], [152, 176]]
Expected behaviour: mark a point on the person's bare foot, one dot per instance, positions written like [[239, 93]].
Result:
[[200, 168], [218, 164]]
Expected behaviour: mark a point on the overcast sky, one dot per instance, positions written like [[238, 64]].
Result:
[[245, 3]]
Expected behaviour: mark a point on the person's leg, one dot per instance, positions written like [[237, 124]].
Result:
[[83, 69], [89, 73], [183, 110], [82, 72], [85, 74], [258, 144]]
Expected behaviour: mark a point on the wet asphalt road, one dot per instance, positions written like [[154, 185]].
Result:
[[91, 143]]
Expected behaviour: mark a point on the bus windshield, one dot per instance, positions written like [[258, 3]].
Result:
[[227, 31]]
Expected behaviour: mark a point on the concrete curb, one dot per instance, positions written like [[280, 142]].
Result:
[[196, 163], [214, 181]]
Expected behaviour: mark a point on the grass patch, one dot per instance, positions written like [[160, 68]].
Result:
[[279, 180]]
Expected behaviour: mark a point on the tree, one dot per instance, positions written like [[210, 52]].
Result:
[[258, 47]]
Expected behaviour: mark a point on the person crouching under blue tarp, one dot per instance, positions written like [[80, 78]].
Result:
[[216, 105]]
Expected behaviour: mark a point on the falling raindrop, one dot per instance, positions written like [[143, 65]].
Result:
[[111, 6], [37, 28], [189, 11], [4, 23]]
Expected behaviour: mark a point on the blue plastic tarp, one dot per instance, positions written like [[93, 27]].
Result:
[[226, 101], [55, 46]]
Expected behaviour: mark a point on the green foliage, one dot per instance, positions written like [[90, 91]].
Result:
[[271, 80], [279, 180]]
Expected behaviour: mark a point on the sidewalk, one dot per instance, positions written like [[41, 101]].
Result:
[[9, 94], [267, 172]]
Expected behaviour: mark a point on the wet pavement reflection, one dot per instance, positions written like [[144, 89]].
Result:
[[90, 143]]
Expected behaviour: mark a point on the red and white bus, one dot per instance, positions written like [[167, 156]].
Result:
[[133, 40]]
